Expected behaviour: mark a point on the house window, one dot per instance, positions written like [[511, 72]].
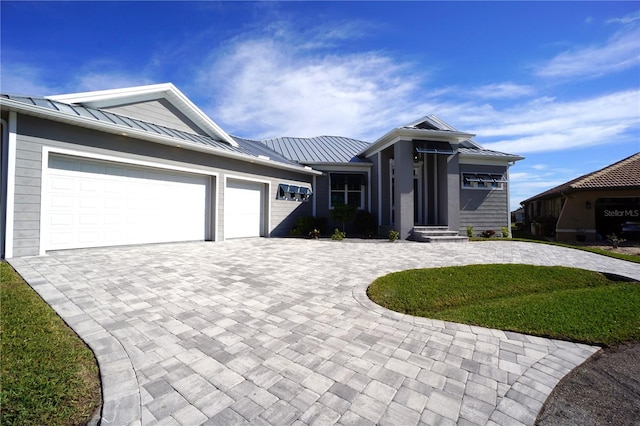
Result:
[[483, 181], [347, 189], [293, 193]]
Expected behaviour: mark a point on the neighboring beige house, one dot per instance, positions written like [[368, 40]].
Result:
[[592, 206]]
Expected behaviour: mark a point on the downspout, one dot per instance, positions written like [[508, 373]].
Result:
[[9, 197]]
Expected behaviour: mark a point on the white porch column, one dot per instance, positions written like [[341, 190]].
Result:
[[403, 182]]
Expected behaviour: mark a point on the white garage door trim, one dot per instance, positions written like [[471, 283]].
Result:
[[244, 207], [174, 222]]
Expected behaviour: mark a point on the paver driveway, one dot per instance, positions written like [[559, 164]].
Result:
[[280, 331]]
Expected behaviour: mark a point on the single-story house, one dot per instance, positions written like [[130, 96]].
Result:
[[592, 206], [145, 165]]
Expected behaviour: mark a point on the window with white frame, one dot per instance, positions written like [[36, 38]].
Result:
[[347, 189], [486, 181]]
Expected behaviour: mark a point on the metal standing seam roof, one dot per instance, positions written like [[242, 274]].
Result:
[[319, 149], [625, 174], [485, 152], [246, 147], [291, 151]]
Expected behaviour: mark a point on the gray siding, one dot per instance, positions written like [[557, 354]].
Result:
[[284, 213], [28, 178], [480, 208], [34, 133], [159, 112]]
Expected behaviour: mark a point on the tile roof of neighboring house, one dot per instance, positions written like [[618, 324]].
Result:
[[320, 149], [625, 174], [74, 111]]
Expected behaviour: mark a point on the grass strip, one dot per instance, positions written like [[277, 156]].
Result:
[[48, 375], [622, 256], [564, 303]]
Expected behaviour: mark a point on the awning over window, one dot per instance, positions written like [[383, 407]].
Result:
[[293, 192], [485, 178], [435, 147]]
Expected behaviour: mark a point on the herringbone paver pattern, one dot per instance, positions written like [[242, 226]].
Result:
[[280, 332]]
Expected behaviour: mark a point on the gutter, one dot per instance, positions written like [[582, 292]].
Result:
[[117, 129]]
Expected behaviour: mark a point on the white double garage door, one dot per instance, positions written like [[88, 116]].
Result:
[[94, 203]]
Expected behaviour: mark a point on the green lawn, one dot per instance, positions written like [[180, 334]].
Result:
[[558, 302], [48, 375]]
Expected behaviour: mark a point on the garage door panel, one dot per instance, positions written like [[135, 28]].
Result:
[[91, 203], [243, 211]]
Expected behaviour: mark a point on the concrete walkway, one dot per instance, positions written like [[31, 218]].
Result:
[[280, 331]]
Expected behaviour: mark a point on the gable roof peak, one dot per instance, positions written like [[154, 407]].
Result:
[[113, 97]]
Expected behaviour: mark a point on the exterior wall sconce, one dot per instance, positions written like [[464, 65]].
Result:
[[588, 205]]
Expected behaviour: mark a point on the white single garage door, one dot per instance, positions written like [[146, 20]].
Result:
[[89, 203], [243, 209]]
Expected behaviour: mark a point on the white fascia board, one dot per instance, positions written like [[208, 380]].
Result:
[[405, 134], [120, 130], [108, 98]]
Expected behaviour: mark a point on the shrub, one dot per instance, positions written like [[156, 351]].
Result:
[[343, 213], [315, 234], [338, 235], [393, 235], [470, 231], [505, 232], [488, 233], [364, 223], [615, 240], [305, 224]]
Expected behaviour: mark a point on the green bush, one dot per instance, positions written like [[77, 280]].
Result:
[[364, 223], [343, 213], [338, 235], [488, 233], [306, 224], [393, 235], [470, 231]]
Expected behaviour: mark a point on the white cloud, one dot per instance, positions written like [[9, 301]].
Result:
[[548, 125], [270, 87], [628, 19], [620, 52], [23, 79], [502, 91], [108, 80]]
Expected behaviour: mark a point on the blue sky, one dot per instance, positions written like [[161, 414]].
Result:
[[555, 82]]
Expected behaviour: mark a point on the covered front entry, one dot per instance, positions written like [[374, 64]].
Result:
[[94, 203], [421, 193]]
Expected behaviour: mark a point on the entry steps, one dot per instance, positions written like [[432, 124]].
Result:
[[437, 234]]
